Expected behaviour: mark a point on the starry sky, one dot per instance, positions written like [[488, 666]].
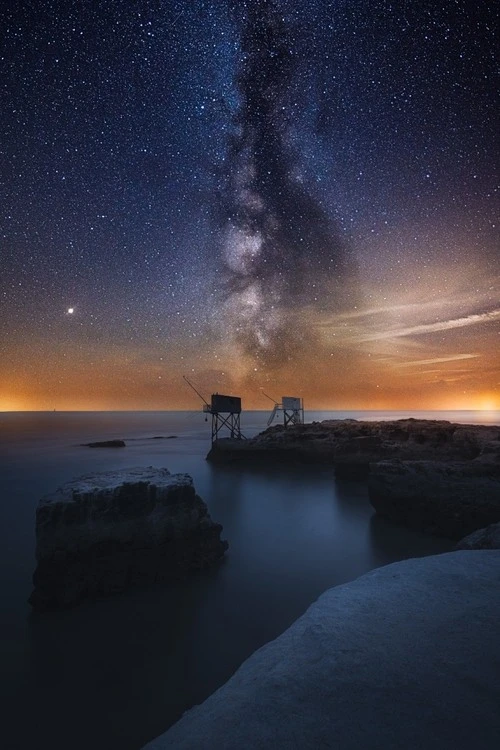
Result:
[[279, 194]]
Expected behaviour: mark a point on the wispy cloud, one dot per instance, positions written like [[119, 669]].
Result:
[[458, 300], [442, 325], [400, 310], [438, 360]]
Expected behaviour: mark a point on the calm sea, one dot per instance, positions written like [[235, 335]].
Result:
[[115, 673]]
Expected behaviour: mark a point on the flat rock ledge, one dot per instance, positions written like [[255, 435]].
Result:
[[351, 446], [404, 657], [100, 534], [444, 499]]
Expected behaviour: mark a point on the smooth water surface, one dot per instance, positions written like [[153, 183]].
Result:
[[115, 673]]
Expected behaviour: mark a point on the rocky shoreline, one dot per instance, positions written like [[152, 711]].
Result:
[[103, 533], [432, 475], [350, 445]]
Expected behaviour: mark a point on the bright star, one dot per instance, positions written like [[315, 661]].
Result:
[[71, 310]]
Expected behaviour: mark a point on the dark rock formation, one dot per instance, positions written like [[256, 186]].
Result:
[[432, 475], [353, 456], [100, 534], [488, 538], [352, 446], [404, 657], [445, 499], [106, 444]]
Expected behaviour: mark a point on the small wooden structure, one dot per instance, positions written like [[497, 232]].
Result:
[[225, 411], [292, 408]]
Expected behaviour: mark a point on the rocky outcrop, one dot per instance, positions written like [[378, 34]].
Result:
[[432, 475], [445, 499], [100, 534], [404, 657], [488, 538], [351, 446]]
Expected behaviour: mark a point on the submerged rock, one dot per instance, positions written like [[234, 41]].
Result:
[[100, 534], [445, 499], [404, 657], [106, 444], [488, 538]]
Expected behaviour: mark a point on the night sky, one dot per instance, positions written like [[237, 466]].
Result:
[[289, 195]]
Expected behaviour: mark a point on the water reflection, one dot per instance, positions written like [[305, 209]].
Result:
[[391, 542], [87, 658]]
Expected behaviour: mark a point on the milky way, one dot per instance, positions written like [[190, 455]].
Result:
[[280, 247]]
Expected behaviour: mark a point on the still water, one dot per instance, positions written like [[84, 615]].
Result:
[[115, 673]]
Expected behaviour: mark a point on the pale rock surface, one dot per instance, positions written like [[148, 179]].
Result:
[[407, 657]]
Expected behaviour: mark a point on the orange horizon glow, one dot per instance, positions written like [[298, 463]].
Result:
[[253, 403], [420, 351]]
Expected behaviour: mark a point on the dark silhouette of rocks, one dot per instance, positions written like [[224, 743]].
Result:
[[106, 444], [99, 535], [351, 446], [450, 499], [433, 475], [488, 538]]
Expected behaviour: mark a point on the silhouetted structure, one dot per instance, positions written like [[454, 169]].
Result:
[[225, 411], [292, 408]]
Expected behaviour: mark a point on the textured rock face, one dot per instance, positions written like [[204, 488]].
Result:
[[100, 534], [351, 446], [450, 500], [404, 657], [488, 538], [353, 457]]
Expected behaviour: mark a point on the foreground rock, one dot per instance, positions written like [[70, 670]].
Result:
[[488, 538], [404, 657], [351, 446], [100, 534], [450, 500]]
